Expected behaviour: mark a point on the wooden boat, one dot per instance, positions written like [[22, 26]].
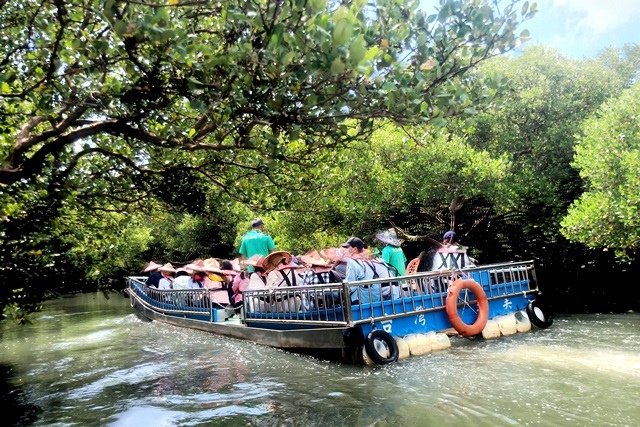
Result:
[[401, 316]]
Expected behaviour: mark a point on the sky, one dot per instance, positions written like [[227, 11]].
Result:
[[580, 28]]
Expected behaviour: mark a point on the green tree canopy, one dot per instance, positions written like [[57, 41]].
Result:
[[607, 214], [392, 178], [105, 104], [229, 84]]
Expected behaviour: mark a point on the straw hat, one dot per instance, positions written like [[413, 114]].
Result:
[[275, 259], [196, 266], [389, 237], [313, 259], [212, 262], [288, 266], [152, 266], [167, 268], [211, 265]]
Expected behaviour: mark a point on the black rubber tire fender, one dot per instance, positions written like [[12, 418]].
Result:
[[541, 322], [372, 352]]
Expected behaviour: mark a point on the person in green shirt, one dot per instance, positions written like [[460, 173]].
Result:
[[256, 242], [392, 253]]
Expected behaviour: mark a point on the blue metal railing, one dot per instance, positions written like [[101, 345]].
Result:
[[334, 304]]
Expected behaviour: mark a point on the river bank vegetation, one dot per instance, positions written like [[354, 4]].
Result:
[[132, 131]]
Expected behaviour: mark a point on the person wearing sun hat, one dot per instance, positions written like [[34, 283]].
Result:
[[167, 272], [256, 242], [215, 281], [154, 274], [319, 270], [275, 260], [392, 253], [281, 270], [198, 274]]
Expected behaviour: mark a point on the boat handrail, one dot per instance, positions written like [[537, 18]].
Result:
[[348, 303], [398, 296], [196, 302]]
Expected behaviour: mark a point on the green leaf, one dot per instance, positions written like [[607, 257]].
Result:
[[342, 32], [337, 66], [198, 104], [371, 53], [439, 122], [357, 50], [120, 27]]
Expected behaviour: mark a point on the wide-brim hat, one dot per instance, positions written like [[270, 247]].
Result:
[[389, 237], [275, 259], [211, 262], [254, 261], [168, 268], [196, 266], [291, 265], [152, 266], [313, 259], [211, 265]]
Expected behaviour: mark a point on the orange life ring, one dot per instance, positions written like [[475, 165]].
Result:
[[452, 307]]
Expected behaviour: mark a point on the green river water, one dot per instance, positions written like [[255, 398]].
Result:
[[89, 360]]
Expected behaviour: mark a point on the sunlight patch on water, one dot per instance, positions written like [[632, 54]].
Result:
[[134, 375], [141, 415], [91, 339], [600, 361]]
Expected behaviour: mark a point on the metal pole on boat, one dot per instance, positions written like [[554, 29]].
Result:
[[210, 307], [347, 301]]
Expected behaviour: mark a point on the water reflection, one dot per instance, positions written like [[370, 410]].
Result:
[[91, 361]]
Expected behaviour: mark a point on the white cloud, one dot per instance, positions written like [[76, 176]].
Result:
[[597, 16]]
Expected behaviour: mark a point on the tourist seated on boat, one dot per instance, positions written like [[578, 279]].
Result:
[[154, 274], [167, 271], [354, 252], [239, 285], [230, 273], [257, 277], [181, 281], [251, 281], [196, 281], [196, 273], [215, 282], [336, 256], [283, 272], [319, 270]]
